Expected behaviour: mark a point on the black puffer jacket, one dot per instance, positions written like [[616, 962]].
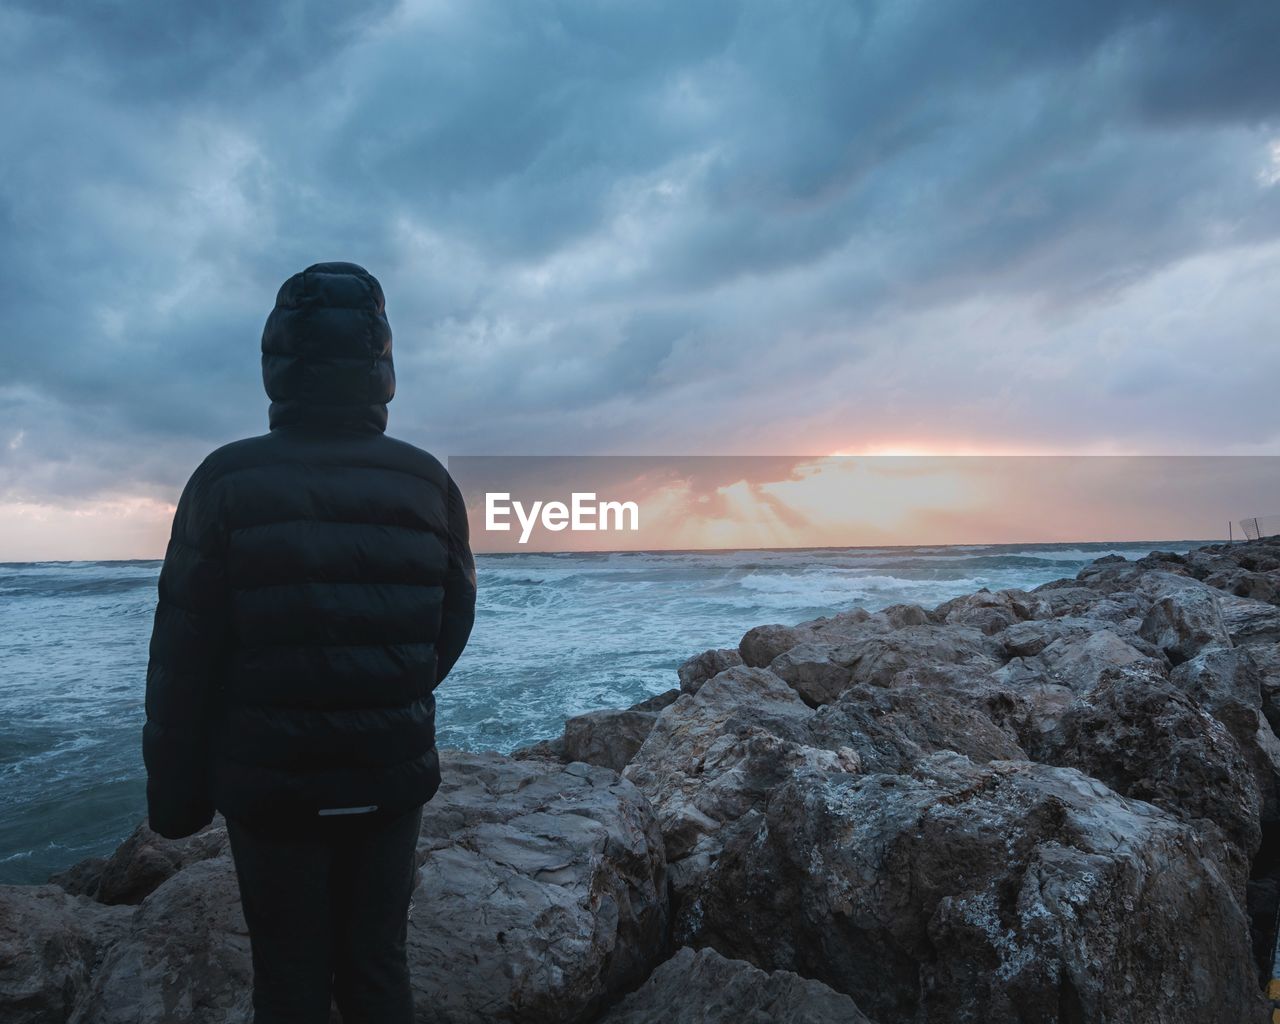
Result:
[[317, 587]]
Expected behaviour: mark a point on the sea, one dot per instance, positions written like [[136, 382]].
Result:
[[555, 635]]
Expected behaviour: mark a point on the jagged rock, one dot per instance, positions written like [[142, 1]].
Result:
[[1070, 598], [81, 879], [992, 612], [818, 672], [185, 958], [1227, 683], [821, 672], [1258, 557], [1184, 618], [607, 737], [51, 942], [705, 988], [897, 616], [1075, 662], [1258, 586], [1251, 622], [1039, 707], [1120, 576], [658, 701], [761, 644], [541, 893], [1008, 892], [1267, 659], [1146, 739], [892, 729], [1029, 639], [610, 738], [141, 863], [854, 622], [1187, 615], [701, 667], [183, 954], [715, 754], [549, 750]]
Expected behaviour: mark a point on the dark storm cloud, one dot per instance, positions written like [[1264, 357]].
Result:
[[642, 226], [159, 51]]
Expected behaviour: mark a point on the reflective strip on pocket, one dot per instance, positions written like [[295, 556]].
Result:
[[347, 810]]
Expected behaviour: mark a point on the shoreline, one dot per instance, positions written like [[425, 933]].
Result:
[[901, 810], [611, 631]]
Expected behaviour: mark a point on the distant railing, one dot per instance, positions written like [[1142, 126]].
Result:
[[1261, 526]]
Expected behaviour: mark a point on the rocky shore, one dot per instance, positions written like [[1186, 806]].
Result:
[[1056, 805]]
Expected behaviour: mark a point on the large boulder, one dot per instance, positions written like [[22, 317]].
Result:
[[542, 892], [1072, 598], [891, 729], [899, 616], [1001, 893], [186, 956], [1259, 586], [1251, 622], [993, 612], [1186, 616], [761, 644], [1228, 683], [857, 622], [1076, 661], [607, 737], [141, 863], [697, 670], [51, 943], [1030, 639], [611, 737], [715, 754], [1245, 570], [704, 987], [547, 749], [1147, 739], [820, 671]]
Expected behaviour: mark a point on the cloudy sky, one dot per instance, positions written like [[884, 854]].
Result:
[[635, 227]]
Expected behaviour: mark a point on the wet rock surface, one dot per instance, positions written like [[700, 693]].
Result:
[[1056, 805]]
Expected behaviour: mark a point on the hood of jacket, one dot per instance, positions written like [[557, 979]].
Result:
[[326, 350]]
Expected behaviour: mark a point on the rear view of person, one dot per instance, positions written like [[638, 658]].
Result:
[[318, 585]]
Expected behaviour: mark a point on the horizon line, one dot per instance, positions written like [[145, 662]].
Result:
[[727, 550]]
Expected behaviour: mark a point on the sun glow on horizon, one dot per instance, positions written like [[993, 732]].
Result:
[[102, 529]]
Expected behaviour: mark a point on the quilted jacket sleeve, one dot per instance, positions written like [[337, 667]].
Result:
[[187, 657], [459, 588]]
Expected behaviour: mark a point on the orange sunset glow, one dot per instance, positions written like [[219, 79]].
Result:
[[849, 501], [743, 502]]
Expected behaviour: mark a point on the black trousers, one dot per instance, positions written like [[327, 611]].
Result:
[[328, 916]]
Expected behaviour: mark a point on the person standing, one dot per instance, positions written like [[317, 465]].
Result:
[[318, 585]]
